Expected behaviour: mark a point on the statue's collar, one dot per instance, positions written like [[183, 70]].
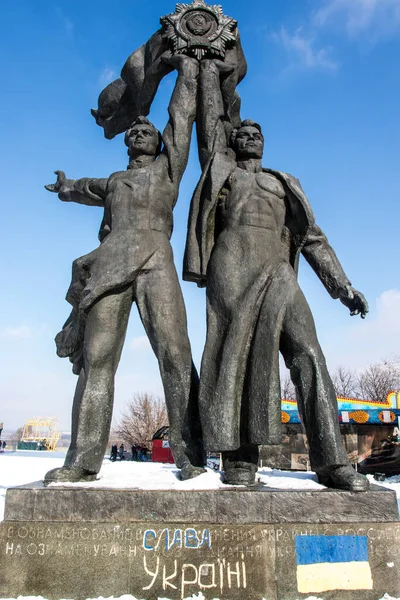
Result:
[[253, 165], [141, 161]]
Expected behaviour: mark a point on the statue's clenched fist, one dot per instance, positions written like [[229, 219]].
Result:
[[185, 65], [355, 302]]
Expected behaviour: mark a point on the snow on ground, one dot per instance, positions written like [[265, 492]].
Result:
[[19, 468], [155, 476], [392, 482]]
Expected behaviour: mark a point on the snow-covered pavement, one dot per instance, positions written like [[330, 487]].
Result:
[[20, 468]]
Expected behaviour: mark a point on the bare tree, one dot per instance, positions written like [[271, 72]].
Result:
[[17, 435], [288, 391], [345, 382], [144, 414], [378, 379]]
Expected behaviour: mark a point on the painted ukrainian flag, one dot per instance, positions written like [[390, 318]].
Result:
[[327, 563]]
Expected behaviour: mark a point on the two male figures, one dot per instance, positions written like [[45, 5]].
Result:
[[247, 229]]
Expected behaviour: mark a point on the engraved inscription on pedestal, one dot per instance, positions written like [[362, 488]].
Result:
[[152, 560], [144, 560]]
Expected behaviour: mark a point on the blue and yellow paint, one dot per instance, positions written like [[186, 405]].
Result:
[[328, 563]]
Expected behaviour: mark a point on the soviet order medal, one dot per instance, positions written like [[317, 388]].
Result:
[[199, 29]]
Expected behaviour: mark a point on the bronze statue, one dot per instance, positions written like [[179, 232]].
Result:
[[247, 230], [134, 263], [198, 30]]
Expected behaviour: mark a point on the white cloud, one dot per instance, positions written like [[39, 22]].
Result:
[[66, 21], [23, 332], [366, 342], [302, 52], [107, 76], [26, 331], [386, 325], [140, 343], [377, 18]]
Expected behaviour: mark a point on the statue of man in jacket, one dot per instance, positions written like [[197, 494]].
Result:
[[247, 229], [134, 263]]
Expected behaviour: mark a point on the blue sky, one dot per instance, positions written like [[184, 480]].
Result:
[[323, 82]]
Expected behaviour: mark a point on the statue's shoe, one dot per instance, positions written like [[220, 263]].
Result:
[[68, 474], [344, 478], [239, 476], [188, 471]]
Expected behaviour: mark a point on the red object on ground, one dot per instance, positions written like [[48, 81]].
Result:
[[160, 453]]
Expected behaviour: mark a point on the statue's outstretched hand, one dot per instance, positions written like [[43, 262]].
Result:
[[355, 302], [59, 184]]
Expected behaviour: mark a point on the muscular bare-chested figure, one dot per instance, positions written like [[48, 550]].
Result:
[[248, 228], [134, 263]]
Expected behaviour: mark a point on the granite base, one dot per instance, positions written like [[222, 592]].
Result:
[[229, 544]]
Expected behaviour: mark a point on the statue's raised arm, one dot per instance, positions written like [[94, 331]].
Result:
[[182, 113], [198, 30], [206, 33]]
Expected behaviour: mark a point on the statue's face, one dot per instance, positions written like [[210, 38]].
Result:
[[249, 143], [143, 139]]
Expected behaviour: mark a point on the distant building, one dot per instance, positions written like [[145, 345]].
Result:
[[40, 433], [370, 431]]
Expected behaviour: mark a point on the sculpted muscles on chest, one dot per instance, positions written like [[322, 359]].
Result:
[[243, 182], [256, 193]]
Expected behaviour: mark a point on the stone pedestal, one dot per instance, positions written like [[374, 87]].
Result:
[[232, 544]]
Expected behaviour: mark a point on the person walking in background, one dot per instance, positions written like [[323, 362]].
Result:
[[139, 453], [114, 452], [121, 452]]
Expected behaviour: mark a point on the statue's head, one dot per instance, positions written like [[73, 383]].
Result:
[[143, 138], [247, 141]]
